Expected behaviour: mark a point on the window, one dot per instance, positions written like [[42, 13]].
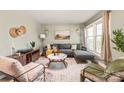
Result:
[[90, 38], [98, 37], [93, 37]]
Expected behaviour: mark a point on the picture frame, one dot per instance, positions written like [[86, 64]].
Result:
[[62, 35]]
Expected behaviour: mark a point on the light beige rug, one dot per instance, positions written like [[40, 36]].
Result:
[[69, 74]]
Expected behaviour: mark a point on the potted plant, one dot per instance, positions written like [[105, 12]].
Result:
[[118, 39], [32, 43]]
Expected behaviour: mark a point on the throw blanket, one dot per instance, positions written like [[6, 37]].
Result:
[[113, 67]]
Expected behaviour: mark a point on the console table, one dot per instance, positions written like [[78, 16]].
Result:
[[28, 57]]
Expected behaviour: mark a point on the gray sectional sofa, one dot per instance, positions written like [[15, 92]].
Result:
[[66, 48], [80, 53]]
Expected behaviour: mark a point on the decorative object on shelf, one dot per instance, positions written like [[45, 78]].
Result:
[[118, 39], [15, 32], [32, 43], [62, 35]]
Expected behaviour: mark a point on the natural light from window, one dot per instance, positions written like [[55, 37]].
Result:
[[93, 36]]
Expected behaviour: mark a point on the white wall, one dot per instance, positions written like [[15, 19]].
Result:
[[75, 36], [16, 18], [117, 21]]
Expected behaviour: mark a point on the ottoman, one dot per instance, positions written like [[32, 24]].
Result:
[[83, 55]]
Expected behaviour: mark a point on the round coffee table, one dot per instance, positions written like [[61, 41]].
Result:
[[57, 58]]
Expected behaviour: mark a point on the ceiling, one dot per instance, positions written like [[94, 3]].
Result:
[[62, 16]]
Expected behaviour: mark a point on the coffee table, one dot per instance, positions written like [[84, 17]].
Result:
[[57, 58]]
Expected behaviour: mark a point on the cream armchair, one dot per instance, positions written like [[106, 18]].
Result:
[[27, 73]]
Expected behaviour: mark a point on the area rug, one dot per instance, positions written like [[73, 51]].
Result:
[[69, 74]]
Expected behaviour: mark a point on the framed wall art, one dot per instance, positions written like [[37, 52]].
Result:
[[62, 35]]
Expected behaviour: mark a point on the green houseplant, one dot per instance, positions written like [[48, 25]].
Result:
[[118, 39], [32, 43]]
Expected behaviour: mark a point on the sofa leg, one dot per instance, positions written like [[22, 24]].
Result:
[[82, 78]]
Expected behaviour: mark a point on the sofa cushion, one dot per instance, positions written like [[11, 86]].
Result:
[[57, 45], [34, 73], [65, 46], [66, 51], [73, 46]]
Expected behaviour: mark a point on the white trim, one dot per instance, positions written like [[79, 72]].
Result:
[[95, 22]]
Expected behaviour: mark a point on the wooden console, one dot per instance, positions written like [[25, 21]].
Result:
[[27, 57]]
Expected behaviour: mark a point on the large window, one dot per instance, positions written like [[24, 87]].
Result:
[[94, 36]]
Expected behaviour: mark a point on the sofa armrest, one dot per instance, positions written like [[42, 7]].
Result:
[[83, 48]]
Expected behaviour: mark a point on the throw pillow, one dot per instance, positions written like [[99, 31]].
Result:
[[48, 46], [48, 51], [74, 46]]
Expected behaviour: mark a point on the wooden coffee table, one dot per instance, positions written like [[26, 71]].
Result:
[[57, 58]]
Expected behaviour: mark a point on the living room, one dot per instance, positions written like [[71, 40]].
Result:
[[76, 34]]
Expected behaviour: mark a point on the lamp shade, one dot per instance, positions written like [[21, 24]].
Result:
[[42, 36]]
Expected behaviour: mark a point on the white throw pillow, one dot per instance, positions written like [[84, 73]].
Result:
[[74, 46], [48, 46]]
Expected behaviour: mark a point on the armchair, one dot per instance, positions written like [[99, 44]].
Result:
[[114, 72], [19, 73]]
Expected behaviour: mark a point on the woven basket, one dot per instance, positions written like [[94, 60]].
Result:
[[13, 32], [22, 29]]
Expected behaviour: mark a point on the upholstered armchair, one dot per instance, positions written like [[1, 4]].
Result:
[[27, 73], [114, 72]]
